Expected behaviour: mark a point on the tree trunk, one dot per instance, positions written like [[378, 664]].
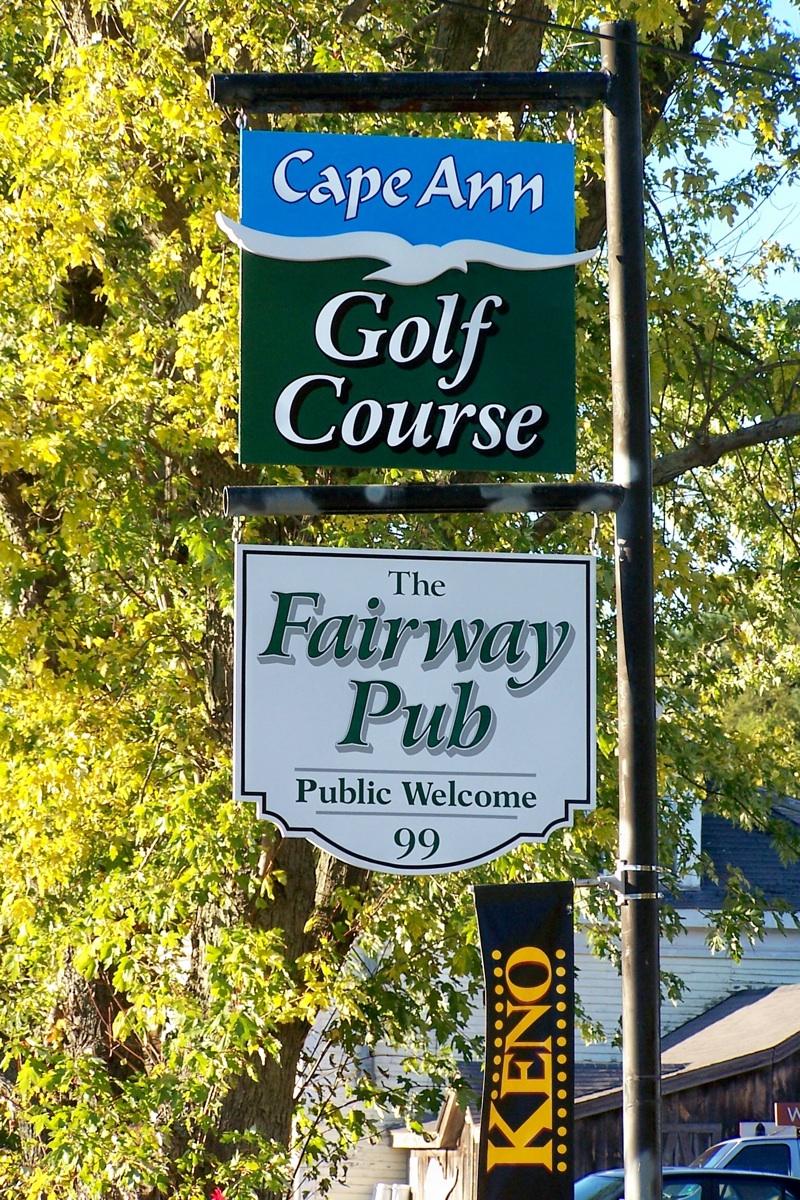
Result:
[[459, 39], [514, 36], [304, 910], [660, 74]]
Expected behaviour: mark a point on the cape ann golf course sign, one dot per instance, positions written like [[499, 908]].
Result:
[[414, 712], [406, 302]]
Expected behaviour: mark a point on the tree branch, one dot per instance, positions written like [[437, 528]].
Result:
[[707, 451], [660, 75], [26, 528], [354, 11], [700, 452], [761, 369]]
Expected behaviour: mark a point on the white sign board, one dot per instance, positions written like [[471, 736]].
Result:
[[414, 712]]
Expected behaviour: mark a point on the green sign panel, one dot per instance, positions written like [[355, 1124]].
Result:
[[414, 312], [335, 370]]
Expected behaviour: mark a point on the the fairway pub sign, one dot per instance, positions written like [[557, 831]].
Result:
[[414, 712], [406, 302]]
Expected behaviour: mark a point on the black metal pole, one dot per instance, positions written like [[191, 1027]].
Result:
[[638, 824], [421, 498], [399, 91]]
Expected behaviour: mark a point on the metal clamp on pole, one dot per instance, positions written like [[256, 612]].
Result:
[[618, 883], [625, 869], [612, 882]]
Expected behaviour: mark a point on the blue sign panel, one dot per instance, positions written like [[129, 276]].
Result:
[[429, 191]]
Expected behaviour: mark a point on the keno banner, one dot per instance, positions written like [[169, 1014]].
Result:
[[526, 1141], [411, 712], [406, 302]]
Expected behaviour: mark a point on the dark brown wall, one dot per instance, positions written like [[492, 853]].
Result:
[[598, 1142], [694, 1118]]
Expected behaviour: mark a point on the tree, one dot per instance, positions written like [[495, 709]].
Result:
[[163, 955]]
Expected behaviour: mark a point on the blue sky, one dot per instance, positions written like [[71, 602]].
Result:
[[775, 219]]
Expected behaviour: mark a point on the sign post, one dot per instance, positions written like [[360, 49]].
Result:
[[618, 87], [638, 796]]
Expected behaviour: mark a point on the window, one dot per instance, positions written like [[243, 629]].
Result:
[[767, 1156], [673, 1190]]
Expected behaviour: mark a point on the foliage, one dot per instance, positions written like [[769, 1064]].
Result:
[[162, 955]]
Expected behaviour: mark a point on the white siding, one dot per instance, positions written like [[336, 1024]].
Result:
[[370, 1164], [708, 977]]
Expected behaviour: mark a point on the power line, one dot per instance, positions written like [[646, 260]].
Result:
[[703, 60]]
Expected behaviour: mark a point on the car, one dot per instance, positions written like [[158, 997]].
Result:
[[695, 1183], [775, 1153]]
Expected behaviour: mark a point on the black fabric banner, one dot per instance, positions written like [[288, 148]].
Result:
[[526, 1146]]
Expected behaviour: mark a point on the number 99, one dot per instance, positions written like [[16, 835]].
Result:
[[407, 840]]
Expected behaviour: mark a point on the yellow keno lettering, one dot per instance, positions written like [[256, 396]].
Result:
[[529, 956], [529, 1017], [526, 1068], [516, 1075], [519, 1151]]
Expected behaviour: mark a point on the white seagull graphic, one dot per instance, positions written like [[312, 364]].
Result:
[[406, 263]]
